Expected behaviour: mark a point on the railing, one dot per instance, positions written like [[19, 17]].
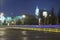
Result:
[[45, 28], [34, 26]]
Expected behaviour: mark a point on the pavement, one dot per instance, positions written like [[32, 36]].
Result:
[[20, 34], [28, 33]]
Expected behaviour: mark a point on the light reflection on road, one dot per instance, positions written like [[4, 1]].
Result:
[[2, 33], [17, 34]]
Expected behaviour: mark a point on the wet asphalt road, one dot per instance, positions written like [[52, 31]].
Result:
[[17, 34]]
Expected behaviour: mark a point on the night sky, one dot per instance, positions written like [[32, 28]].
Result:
[[16, 7]]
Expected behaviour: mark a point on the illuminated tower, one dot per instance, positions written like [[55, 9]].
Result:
[[37, 11]]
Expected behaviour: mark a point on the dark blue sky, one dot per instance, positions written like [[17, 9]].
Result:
[[16, 7]]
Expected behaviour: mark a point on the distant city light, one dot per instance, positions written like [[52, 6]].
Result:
[[19, 17], [37, 11], [2, 18], [45, 13], [1, 14], [8, 18]]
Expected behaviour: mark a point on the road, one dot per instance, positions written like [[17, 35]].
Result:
[[17, 34]]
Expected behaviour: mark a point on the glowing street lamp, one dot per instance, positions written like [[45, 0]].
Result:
[[45, 15], [23, 17]]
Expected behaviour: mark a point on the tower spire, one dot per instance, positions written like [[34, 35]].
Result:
[[37, 11]]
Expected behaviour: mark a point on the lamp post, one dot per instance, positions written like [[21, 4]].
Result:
[[57, 21], [39, 21], [23, 17], [45, 15]]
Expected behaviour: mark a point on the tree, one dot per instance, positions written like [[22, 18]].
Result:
[[30, 20], [52, 17], [18, 22], [58, 16]]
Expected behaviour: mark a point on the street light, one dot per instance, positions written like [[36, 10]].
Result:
[[45, 15], [23, 18]]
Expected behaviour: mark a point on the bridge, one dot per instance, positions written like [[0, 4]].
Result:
[[45, 28]]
